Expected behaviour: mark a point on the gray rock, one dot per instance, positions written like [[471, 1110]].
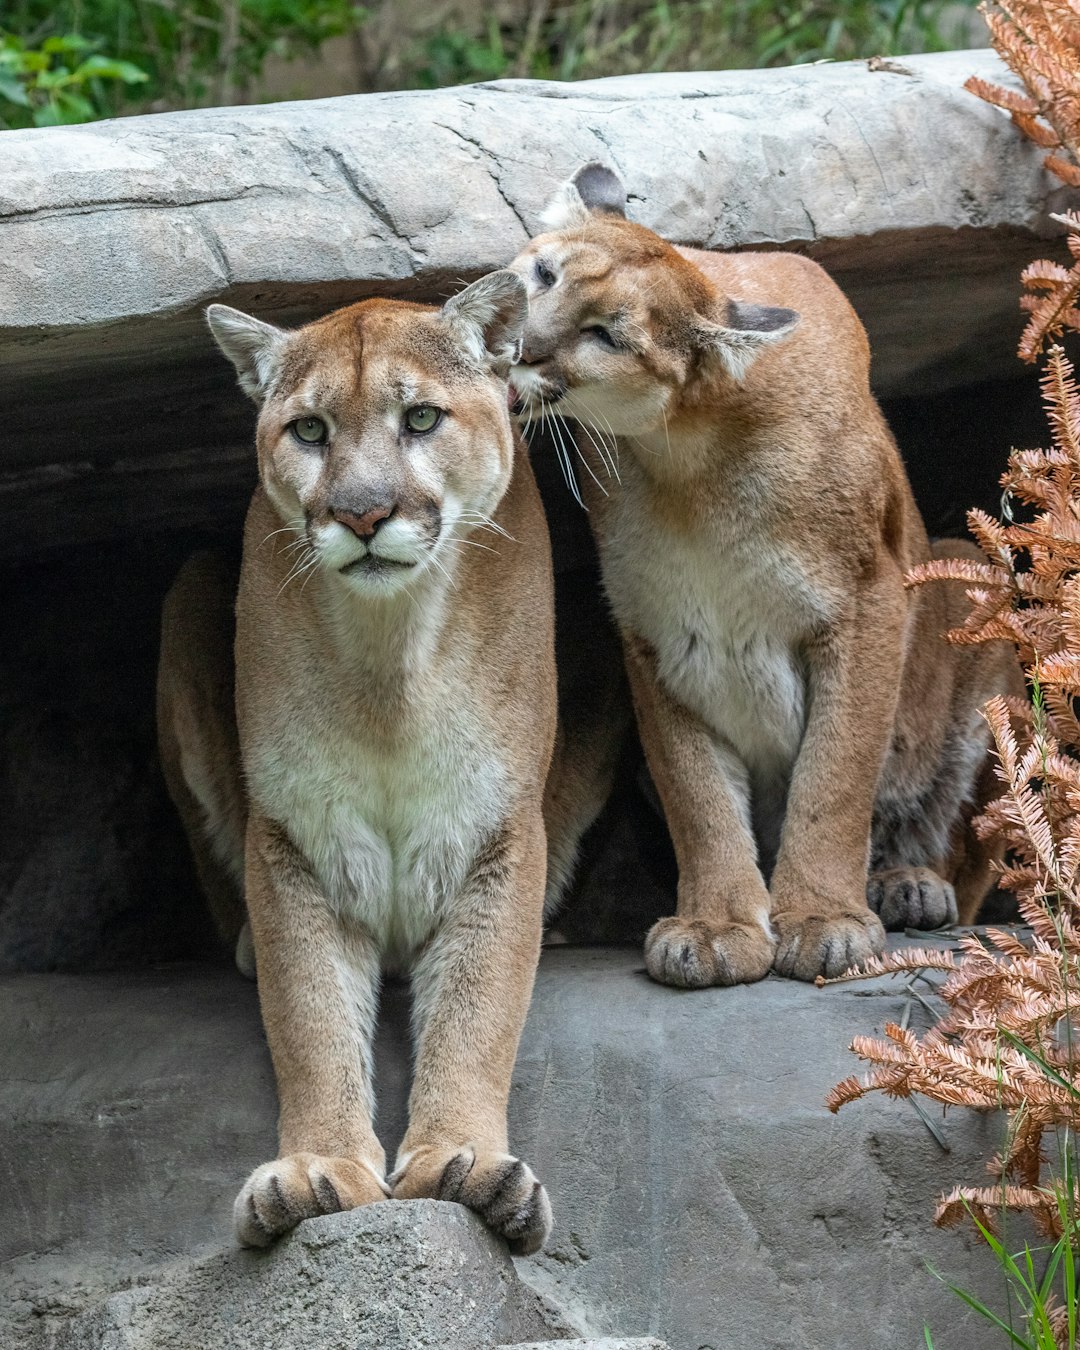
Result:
[[922, 201], [604, 1343], [702, 1193], [393, 1276]]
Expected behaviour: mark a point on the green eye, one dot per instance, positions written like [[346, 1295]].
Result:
[[310, 430], [422, 417]]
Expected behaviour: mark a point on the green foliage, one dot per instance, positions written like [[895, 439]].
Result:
[[63, 80], [189, 52], [584, 39], [76, 59], [1042, 1305]]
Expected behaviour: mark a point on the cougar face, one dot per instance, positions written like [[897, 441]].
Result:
[[619, 322], [383, 428]]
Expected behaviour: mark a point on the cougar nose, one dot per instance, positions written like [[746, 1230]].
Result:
[[532, 353], [366, 525]]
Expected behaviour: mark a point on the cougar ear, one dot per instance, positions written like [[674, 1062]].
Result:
[[252, 346], [594, 187], [746, 330], [489, 315]]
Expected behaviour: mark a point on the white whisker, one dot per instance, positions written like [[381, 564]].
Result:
[[303, 564], [588, 466], [599, 447], [472, 543], [436, 563], [564, 457], [614, 442], [298, 525], [482, 522]]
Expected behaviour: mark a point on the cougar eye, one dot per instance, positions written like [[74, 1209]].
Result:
[[544, 275], [422, 418], [598, 331], [309, 430]]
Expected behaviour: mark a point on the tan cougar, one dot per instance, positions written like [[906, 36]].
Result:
[[380, 787], [802, 716]]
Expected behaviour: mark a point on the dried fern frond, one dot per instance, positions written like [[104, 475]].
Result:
[[986, 1203], [1039, 40], [998, 1044]]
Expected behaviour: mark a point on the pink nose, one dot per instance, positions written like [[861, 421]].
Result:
[[365, 526]]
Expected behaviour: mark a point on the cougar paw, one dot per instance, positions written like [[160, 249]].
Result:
[[279, 1194], [811, 946], [693, 953], [911, 897], [500, 1188]]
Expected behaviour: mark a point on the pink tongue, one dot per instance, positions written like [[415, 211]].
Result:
[[511, 396]]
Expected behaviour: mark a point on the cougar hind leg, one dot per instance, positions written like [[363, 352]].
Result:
[[928, 867], [906, 890], [973, 863], [197, 737]]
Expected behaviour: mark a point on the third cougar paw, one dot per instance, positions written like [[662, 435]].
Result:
[[301, 1186], [693, 953], [500, 1188], [911, 897], [812, 945]]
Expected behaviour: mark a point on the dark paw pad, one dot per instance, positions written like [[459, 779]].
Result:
[[911, 897], [505, 1194]]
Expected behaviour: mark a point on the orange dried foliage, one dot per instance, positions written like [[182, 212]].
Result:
[[1008, 1039], [1039, 40]]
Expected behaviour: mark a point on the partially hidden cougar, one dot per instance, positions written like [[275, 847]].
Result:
[[379, 788], [803, 718]]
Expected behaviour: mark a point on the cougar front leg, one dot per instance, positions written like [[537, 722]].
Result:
[[471, 990], [720, 933], [318, 988], [819, 884]]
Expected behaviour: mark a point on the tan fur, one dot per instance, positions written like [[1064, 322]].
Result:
[[196, 724], [793, 698], [395, 725]]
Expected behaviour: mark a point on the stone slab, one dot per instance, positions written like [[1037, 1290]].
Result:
[[122, 220], [702, 1193]]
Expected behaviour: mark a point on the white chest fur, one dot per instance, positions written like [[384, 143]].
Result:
[[390, 832], [725, 607]]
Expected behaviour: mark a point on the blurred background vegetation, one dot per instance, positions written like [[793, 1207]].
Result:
[[74, 60]]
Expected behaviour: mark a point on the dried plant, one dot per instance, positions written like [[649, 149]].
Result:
[[1039, 40], [1012, 1006], [1006, 1039]]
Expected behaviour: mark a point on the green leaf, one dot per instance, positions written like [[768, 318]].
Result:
[[984, 1311], [107, 68], [13, 89], [69, 42], [33, 62], [1036, 1058], [47, 116], [74, 108], [53, 79]]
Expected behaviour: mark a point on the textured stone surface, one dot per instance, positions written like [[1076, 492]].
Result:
[[702, 1193], [388, 1277], [398, 187], [602, 1343], [922, 201]]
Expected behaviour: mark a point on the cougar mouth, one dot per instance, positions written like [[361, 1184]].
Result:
[[536, 398], [372, 565]]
